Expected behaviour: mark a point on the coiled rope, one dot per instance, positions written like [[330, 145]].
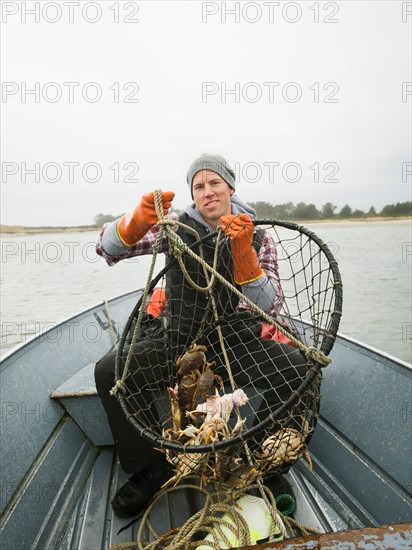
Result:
[[209, 520]]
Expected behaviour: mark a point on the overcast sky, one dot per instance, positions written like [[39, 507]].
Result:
[[309, 101]]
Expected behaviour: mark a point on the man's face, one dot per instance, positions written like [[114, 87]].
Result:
[[211, 195]]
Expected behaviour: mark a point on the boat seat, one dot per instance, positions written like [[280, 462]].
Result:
[[78, 395]]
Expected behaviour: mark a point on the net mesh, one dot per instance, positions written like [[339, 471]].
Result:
[[226, 381]]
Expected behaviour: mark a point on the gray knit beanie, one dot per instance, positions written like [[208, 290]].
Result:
[[216, 164]]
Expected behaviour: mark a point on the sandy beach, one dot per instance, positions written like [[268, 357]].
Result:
[[20, 230]]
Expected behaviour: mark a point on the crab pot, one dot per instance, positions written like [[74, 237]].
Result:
[[226, 389]]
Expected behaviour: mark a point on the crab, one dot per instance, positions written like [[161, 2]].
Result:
[[187, 391], [197, 376], [193, 360], [206, 380], [185, 435], [286, 445], [197, 384], [234, 473], [213, 430], [185, 463]]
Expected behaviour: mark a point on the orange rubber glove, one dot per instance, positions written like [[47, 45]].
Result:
[[132, 226], [239, 230]]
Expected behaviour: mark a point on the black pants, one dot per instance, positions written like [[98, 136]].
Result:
[[271, 368]]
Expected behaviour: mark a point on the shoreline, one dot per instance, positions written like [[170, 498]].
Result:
[[19, 230]]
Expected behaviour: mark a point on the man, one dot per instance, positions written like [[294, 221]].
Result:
[[248, 260]]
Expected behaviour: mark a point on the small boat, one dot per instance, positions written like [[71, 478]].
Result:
[[59, 468]]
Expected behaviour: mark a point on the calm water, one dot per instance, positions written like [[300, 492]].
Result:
[[46, 278]]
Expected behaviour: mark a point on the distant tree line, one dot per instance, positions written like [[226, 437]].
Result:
[[303, 211], [100, 219]]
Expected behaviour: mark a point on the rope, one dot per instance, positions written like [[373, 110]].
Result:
[[292, 504], [179, 247], [119, 385], [177, 252], [206, 519], [209, 519], [110, 323], [176, 241]]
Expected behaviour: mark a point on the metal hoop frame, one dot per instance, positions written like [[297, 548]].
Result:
[[312, 373]]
